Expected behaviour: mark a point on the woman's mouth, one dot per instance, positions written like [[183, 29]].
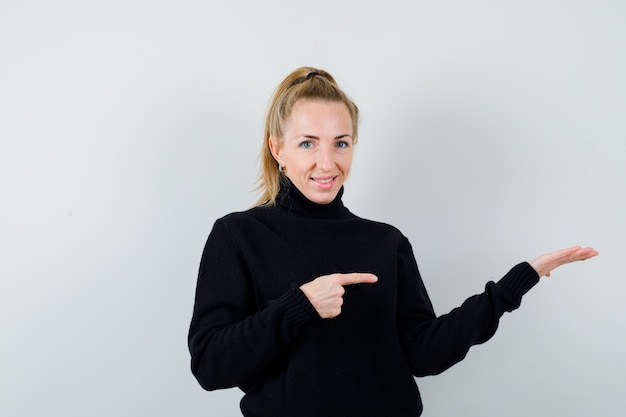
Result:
[[324, 182]]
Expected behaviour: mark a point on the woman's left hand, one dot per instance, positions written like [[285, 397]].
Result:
[[546, 263]]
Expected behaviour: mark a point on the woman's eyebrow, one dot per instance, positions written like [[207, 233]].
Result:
[[345, 135]]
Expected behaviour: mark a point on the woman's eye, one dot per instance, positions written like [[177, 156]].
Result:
[[342, 144], [307, 144]]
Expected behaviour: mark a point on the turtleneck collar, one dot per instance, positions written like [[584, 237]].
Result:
[[291, 199]]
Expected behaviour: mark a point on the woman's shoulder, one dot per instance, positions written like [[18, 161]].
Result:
[[377, 225], [242, 215]]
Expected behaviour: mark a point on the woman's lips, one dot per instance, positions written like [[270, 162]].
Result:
[[324, 182]]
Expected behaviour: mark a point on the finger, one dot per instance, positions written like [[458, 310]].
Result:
[[356, 278], [566, 253], [578, 253], [586, 253]]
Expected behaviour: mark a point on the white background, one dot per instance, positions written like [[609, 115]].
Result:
[[492, 131]]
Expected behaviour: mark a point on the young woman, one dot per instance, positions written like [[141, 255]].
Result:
[[314, 311]]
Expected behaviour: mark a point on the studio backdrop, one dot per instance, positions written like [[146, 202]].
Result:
[[491, 132]]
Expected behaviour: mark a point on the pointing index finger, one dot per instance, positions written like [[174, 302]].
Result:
[[356, 278]]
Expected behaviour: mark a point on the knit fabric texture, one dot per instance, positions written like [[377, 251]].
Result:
[[253, 328]]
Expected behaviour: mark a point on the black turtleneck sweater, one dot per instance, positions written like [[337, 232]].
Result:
[[252, 326]]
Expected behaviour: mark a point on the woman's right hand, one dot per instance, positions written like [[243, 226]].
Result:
[[326, 292]]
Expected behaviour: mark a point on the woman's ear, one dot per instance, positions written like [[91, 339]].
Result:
[[273, 143]]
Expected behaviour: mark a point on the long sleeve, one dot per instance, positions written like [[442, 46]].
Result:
[[231, 340], [253, 327], [433, 344]]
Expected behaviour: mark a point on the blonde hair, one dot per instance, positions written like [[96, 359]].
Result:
[[305, 83]]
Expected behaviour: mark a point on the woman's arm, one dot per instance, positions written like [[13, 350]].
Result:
[[231, 340], [433, 345]]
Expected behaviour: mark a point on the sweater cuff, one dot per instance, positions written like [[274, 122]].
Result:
[[296, 308], [303, 301], [519, 280]]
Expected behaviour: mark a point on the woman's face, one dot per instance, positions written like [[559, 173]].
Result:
[[316, 148]]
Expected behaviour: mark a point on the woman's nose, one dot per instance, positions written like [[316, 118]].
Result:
[[325, 158]]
